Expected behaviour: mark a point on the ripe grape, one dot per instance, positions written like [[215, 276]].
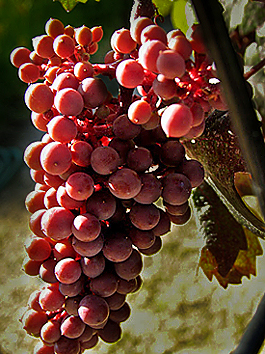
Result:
[[137, 27], [50, 332], [122, 42], [72, 289], [57, 222], [62, 129], [153, 32], [172, 153], [155, 248], [43, 46], [65, 80], [131, 267], [105, 284], [81, 153], [121, 314], [55, 158], [149, 52], [116, 300], [79, 186], [38, 248], [32, 321], [20, 56], [117, 247], [176, 189], [125, 129], [142, 239], [88, 249], [124, 183], [64, 46], [111, 332], [165, 88], [46, 271], [86, 227], [83, 70], [64, 200], [93, 310], [139, 112], [69, 102], [51, 298], [97, 33], [54, 27], [93, 266], [171, 64], [94, 92], [28, 73], [72, 327], [67, 346], [181, 45], [83, 35], [102, 204], [129, 73], [104, 160], [67, 270], [39, 97], [176, 120], [144, 216]]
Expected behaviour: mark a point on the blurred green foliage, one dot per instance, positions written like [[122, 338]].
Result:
[[21, 20]]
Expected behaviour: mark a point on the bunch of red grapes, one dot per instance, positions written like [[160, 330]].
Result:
[[102, 165]]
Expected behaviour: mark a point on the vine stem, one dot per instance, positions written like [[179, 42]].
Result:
[[254, 69]]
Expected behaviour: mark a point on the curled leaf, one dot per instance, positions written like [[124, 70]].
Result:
[[219, 152]]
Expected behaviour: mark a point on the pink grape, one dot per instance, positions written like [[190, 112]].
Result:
[[65, 80], [117, 247], [38, 249], [67, 270], [104, 160], [176, 120], [88, 249], [153, 32], [97, 33], [35, 222], [116, 300], [50, 332], [72, 327], [62, 129], [129, 73], [172, 153], [124, 183], [197, 113], [139, 112], [176, 189], [20, 56], [155, 248], [149, 52], [63, 249], [29, 73], [40, 121], [121, 314], [144, 217], [32, 155], [105, 284], [94, 92], [151, 189], [46, 271], [81, 153], [69, 102], [121, 41], [126, 286], [83, 35], [64, 200], [163, 226], [139, 159], [79, 186], [35, 201], [181, 45], [67, 346], [64, 46], [125, 129], [86, 227], [93, 310], [165, 88], [32, 321], [51, 299], [43, 46], [57, 223], [102, 204], [83, 70], [137, 27], [171, 64], [142, 239], [92, 267], [55, 158], [38, 97], [131, 267], [54, 27], [41, 348]]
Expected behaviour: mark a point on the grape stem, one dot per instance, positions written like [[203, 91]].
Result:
[[254, 69]]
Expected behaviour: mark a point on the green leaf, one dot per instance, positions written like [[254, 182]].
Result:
[[68, 5], [224, 237], [182, 15], [163, 6]]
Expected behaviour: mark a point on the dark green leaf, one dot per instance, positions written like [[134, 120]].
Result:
[[219, 152], [68, 5]]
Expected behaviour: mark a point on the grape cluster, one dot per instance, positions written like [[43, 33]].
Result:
[[102, 165]]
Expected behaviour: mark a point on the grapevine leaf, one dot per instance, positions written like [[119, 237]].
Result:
[[219, 152], [223, 235], [68, 5], [230, 250], [163, 6], [178, 15]]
